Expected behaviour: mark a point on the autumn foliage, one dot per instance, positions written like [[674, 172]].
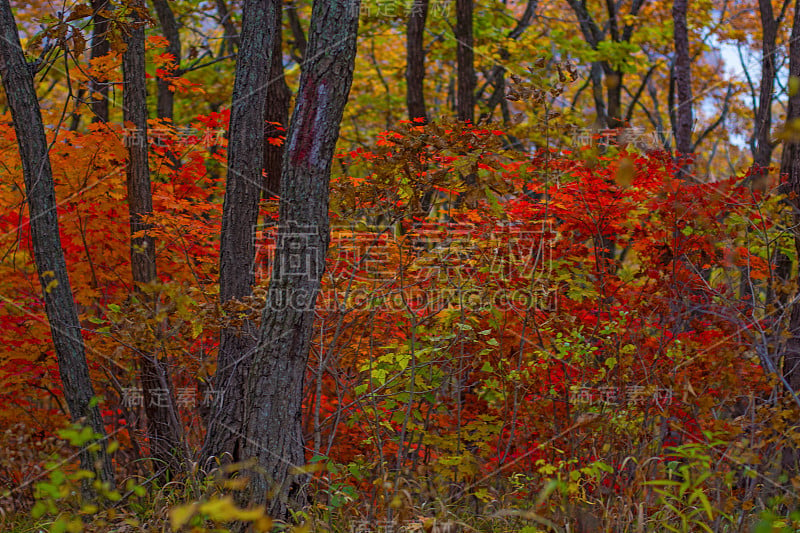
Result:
[[542, 335]]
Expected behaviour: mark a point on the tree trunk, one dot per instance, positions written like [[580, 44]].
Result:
[[169, 26], [613, 82], [276, 115], [231, 35], [465, 97], [609, 111], [790, 166], [276, 110], [100, 47], [273, 425], [601, 122], [683, 79], [239, 218], [163, 426], [762, 143], [299, 41], [415, 60], [51, 266]]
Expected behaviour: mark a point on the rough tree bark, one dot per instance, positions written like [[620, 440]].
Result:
[[596, 75], [299, 41], [239, 217], [272, 423], [415, 60], [761, 144], [163, 426], [100, 47], [165, 105], [276, 112], [683, 79], [465, 58], [790, 166], [51, 266]]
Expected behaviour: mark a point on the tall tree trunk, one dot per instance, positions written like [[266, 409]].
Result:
[[51, 266], [276, 115], [239, 217], [613, 83], [276, 110], [415, 60], [98, 91], [231, 35], [596, 74], [163, 426], [299, 41], [790, 166], [165, 105], [762, 142], [683, 79], [273, 425], [99, 47], [465, 57]]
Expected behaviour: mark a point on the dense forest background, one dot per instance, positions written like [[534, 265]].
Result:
[[419, 265]]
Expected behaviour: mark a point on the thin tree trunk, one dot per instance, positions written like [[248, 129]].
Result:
[[613, 82], [98, 91], [415, 60], [273, 425], [163, 427], [596, 74], [239, 217], [762, 142], [276, 110], [231, 35], [790, 166], [298, 35], [99, 46], [276, 115], [465, 57], [51, 266], [683, 79], [169, 26], [609, 110]]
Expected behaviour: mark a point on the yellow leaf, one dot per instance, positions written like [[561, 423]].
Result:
[[625, 172], [197, 329], [180, 516]]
